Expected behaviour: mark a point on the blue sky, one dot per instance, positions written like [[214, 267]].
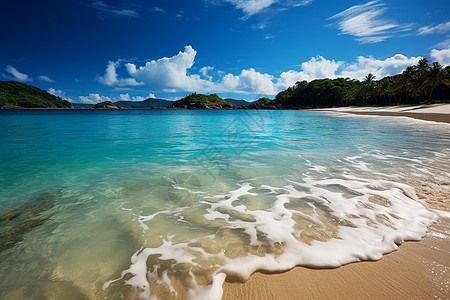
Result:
[[90, 51]]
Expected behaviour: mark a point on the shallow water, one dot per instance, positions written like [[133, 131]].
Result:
[[167, 203]]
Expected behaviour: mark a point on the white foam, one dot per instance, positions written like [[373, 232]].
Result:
[[377, 228]]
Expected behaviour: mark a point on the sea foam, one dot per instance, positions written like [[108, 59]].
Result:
[[313, 222]]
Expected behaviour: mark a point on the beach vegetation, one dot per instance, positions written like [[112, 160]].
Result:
[[422, 83], [18, 94], [199, 98]]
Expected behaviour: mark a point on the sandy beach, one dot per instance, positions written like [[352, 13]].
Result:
[[437, 112], [417, 270]]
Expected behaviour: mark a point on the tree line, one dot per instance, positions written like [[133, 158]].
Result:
[[421, 83]]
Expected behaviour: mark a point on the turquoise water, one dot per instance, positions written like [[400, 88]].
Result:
[[167, 203]]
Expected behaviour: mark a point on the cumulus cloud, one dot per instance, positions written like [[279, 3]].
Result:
[[172, 74], [317, 67], [380, 68], [248, 82], [45, 78], [110, 77], [59, 93], [440, 28], [15, 74], [126, 97], [442, 56], [105, 10], [93, 99], [367, 23]]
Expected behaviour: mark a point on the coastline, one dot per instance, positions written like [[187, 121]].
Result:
[[416, 270], [436, 113]]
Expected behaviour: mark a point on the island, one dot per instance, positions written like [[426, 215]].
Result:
[[105, 105], [201, 101]]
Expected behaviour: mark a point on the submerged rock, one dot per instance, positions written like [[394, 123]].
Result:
[[24, 218]]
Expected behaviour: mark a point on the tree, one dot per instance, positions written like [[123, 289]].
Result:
[[435, 77], [369, 86]]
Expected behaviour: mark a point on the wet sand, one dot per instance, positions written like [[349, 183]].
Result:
[[418, 270]]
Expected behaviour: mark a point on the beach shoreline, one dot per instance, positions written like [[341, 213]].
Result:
[[436, 113], [418, 269]]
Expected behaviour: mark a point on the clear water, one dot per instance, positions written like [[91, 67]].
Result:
[[167, 203]]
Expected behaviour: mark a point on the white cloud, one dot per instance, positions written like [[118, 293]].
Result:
[[126, 97], [367, 23], [248, 82], [93, 99], [59, 93], [444, 44], [105, 10], [380, 68], [317, 67], [303, 3], [110, 77], [442, 56], [440, 28], [45, 78], [253, 7], [204, 71], [15, 74], [171, 74], [268, 36]]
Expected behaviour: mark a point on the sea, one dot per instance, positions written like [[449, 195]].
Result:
[[168, 204]]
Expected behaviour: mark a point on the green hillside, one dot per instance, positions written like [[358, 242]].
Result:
[[13, 93], [199, 98]]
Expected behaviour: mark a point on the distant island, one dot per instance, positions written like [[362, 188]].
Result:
[[201, 101], [423, 83], [105, 105]]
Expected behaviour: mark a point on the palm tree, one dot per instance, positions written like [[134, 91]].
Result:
[[369, 85], [435, 77], [422, 70], [369, 79], [423, 67]]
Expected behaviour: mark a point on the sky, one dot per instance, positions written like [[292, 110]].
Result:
[[88, 51]]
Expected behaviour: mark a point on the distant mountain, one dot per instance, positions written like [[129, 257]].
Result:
[[17, 94], [147, 103], [237, 103]]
